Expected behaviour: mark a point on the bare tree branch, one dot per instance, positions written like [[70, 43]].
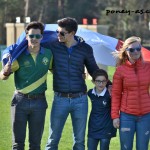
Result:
[[26, 8]]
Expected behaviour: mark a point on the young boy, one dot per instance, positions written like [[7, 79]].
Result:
[[100, 128], [29, 101]]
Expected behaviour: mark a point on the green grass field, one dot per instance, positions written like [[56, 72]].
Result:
[[6, 92]]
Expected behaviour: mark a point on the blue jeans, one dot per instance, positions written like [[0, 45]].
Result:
[[130, 124], [93, 143], [61, 108], [32, 111]]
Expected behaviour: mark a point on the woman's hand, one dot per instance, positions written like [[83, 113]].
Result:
[[116, 123]]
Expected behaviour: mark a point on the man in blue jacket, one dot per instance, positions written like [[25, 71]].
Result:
[[71, 55]]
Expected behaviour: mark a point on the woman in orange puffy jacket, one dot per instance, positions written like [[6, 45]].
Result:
[[130, 96]]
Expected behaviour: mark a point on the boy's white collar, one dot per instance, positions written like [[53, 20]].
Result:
[[100, 94]]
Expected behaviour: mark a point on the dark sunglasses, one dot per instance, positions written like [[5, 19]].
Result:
[[133, 49], [37, 36], [61, 33]]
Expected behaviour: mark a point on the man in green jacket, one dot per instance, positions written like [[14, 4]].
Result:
[[29, 102]]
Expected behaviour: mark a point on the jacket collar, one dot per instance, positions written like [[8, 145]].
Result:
[[99, 94], [41, 51], [136, 63]]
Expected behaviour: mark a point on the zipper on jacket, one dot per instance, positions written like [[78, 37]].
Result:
[[69, 70], [139, 97]]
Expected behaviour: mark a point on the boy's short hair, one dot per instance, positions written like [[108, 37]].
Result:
[[70, 24], [35, 25], [99, 72]]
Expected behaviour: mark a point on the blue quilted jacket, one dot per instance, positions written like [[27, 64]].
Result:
[[68, 67]]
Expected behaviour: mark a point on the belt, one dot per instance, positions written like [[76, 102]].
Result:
[[70, 95], [32, 96]]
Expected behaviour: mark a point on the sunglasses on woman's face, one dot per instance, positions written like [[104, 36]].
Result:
[[37, 36], [61, 33], [133, 49]]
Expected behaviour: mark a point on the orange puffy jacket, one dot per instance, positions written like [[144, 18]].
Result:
[[130, 90]]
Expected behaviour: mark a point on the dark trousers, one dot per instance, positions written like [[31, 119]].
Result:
[[93, 144], [31, 111]]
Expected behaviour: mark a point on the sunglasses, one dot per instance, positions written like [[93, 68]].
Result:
[[133, 49], [99, 81], [61, 33], [37, 36]]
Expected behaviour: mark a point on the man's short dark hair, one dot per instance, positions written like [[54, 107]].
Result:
[[99, 72], [35, 25], [70, 24]]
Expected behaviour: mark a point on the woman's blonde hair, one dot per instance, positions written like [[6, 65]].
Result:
[[121, 55]]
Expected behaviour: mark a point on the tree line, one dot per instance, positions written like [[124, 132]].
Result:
[[124, 17]]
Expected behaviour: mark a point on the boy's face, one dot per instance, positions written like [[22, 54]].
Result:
[[100, 83], [34, 37]]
